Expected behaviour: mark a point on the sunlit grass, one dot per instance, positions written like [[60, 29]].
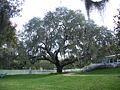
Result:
[[111, 71], [59, 82]]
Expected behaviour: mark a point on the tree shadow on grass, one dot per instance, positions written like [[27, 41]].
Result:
[[28, 76], [31, 76]]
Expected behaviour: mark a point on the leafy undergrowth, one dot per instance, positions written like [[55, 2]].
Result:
[[59, 82]]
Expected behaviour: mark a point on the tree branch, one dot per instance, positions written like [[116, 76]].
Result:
[[48, 51], [56, 53], [68, 61], [46, 58]]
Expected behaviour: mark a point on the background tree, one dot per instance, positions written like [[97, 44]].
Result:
[[22, 56], [8, 9], [117, 25], [7, 58], [117, 30], [90, 40]]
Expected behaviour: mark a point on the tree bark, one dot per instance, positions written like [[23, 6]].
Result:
[[59, 69]]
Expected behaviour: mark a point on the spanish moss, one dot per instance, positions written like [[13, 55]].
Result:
[[90, 4]]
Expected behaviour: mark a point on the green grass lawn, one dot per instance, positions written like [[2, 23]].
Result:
[[61, 82], [113, 71]]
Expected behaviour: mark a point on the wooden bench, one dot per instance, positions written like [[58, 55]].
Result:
[[2, 75]]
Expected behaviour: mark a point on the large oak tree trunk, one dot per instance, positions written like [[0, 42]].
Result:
[[58, 65], [59, 68]]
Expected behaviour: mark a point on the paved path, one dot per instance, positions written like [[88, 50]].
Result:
[[72, 74]]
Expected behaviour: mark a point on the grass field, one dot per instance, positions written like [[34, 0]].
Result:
[[62, 82], [110, 71]]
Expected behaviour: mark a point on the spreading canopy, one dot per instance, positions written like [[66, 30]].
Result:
[[62, 37]]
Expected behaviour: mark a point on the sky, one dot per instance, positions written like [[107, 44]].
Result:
[[38, 8]]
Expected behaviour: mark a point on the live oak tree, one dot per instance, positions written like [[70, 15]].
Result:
[[53, 37], [64, 37], [90, 40], [90, 5]]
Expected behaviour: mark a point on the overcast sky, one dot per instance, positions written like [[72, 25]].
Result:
[[38, 8]]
